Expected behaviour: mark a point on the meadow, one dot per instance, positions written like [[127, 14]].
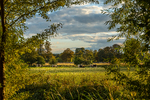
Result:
[[69, 83]]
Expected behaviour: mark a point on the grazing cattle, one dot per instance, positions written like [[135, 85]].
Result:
[[80, 66], [54, 65], [38, 65], [93, 65]]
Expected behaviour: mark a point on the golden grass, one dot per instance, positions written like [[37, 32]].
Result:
[[102, 63], [46, 64], [65, 63], [73, 63]]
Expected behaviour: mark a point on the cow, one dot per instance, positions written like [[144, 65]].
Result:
[[93, 65], [54, 65], [80, 66], [38, 65]]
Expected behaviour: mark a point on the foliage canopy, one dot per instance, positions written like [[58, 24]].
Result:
[[132, 18]]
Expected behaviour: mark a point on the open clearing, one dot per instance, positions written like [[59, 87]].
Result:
[[49, 70], [69, 83]]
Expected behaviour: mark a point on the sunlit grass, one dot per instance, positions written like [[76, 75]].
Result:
[[49, 70], [70, 83], [73, 63], [66, 70]]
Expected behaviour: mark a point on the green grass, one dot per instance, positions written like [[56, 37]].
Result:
[[68, 83], [70, 69], [66, 70]]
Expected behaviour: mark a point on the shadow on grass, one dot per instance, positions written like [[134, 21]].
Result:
[[54, 92]]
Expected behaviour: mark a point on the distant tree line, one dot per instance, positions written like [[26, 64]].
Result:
[[83, 56]]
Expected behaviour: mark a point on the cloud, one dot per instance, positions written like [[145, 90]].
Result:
[[76, 20], [91, 18], [103, 43], [83, 27], [93, 41]]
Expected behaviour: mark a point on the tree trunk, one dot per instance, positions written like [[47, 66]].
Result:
[[2, 54], [2, 76]]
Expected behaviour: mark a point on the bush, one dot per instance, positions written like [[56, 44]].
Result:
[[16, 77]]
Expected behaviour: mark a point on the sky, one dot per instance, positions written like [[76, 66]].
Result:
[[83, 26]]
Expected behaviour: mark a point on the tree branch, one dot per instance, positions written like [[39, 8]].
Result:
[[5, 1], [30, 13]]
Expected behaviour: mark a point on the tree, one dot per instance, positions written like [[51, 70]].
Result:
[[83, 56], [86, 62], [59, 58], [95, 54], [133, 19], [29, 56], [132, 51], [67, 55], [40, 60], [78, 60], [81, 50], [14, 14], [52, 60], [47, 47], [12, 25], [106, 54], [100, 55], [79, 56], [46, 53], [41, 49], [117, 51], [88, 57]]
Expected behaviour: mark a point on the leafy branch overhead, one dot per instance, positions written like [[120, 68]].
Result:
[[131, 17], [51, 32], [18, 11]]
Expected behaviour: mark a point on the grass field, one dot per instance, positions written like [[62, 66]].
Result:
[[49, 70], [69, 83], [73, 63]]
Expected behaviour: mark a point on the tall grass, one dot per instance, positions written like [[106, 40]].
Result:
[[69, 84]]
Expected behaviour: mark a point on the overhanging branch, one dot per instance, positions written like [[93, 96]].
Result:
[[35, 10]]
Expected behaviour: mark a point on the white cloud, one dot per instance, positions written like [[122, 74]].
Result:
[[83, 27]]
